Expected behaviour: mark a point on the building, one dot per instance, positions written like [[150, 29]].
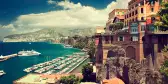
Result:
[[138, 37], [116, 15]]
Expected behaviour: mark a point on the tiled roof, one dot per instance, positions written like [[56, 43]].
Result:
[[113, 81]]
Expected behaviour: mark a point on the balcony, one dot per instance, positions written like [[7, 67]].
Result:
[[154, 30], [158, 32]]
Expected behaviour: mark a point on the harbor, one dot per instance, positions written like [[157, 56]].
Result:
[[14, 66], [59, 65]]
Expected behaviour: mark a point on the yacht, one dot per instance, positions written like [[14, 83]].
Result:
[[67, 46], [2, 72], [28, 53]]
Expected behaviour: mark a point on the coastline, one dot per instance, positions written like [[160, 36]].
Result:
[[50, 50]]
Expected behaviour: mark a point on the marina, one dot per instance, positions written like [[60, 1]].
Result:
[[14, 66], [58, 65]]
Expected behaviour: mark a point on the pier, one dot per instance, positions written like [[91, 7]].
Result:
[[77, 65], [3, 58]]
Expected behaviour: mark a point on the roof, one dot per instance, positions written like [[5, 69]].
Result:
[[32, 79], [88, 83], [113, 81], [43, 78], [119, 17]]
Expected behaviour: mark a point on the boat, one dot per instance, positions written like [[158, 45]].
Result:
[[28, 53], [2, 58], [2, 72], [68, 46]]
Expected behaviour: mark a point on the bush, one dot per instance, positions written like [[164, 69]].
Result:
[[87, 71], [72, 79]]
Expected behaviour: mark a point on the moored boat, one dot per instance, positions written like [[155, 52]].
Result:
[[2, 73], [28, 53]]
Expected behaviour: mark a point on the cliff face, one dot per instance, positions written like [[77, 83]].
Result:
[[129, 71], [50, 34]]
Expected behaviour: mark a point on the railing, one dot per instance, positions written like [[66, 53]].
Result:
[[125, 42], [160, 32], [157, 32]]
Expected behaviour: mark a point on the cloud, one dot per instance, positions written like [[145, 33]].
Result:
[[72, 16]]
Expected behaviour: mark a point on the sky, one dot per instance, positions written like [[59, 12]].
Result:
[[23, 16]]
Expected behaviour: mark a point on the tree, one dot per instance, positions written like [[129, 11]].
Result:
[[116, 26], [72, 79], [164, 16], [87, 72], [120, 25], [158, 24], [92, 49]]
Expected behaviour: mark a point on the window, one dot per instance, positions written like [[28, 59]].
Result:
[[134, 38], [136, 12], [132, 13], [152, 9], [141, 10], [136, 19], [142, 27], [121, 38], [134, 30], [142, 18]]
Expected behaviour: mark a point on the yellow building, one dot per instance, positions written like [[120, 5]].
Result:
[[113, 14], [139, 10]]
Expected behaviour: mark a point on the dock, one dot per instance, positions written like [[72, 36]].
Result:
[[3, 58]]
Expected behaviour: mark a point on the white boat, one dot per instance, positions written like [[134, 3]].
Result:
[[28, 53], [68, 46], [2, 72]]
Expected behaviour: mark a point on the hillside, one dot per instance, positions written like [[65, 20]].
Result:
[[50, 34]]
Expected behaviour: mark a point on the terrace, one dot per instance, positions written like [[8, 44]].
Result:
[[154, 30]]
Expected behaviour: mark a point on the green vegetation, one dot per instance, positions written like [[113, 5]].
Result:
[[87, 71], [164, 67], [163, 13], [72, 79], [116, 26], [165, 49]]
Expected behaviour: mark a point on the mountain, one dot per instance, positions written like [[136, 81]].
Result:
[[49, 34]]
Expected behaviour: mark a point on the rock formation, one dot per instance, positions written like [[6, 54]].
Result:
[[130, 71]]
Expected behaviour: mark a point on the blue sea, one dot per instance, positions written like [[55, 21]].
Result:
[[14, 66]]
